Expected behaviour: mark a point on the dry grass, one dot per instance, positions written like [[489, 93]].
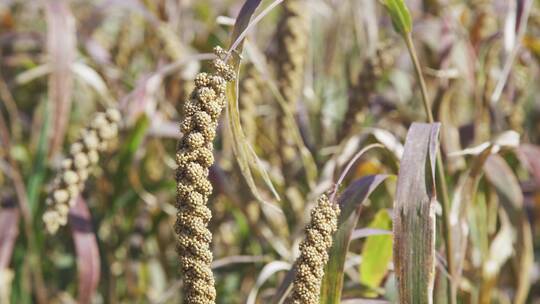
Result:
[[317, 82]]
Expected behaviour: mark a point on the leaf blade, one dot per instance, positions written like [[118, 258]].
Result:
[[377, 252], [501, 176], [61, 46], [414, 216], [350, 202], [399, 13], [88, 260], [9, 230], [245, 155]]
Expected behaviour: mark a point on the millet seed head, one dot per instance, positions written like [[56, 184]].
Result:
[[75, 169], [314, 252], [194, 158], [293, 42]]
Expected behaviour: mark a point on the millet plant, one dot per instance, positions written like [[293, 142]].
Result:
[[333, 152]]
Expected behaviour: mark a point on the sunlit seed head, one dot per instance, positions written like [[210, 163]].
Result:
[[61, 196], [93, 156], [91, 140], [70, 177], [113, 115], [76, 148]]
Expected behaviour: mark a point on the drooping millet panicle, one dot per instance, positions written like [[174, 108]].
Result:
[[293, 43], [83, 157], [250, 96], [363, 89], [314, 252], [194, 158]]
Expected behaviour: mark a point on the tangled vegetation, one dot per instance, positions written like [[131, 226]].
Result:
[[277, 151]]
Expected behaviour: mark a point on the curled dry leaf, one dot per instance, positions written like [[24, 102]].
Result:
[[466, 189], [500, 175]]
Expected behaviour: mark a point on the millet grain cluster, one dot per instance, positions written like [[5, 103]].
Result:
[[364, 88], [75, 169], [314, 252], [293, 35], [194, 158], [251, 94]]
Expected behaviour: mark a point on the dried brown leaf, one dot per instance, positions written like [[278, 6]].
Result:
[[61, 47], [86, 247], [414, 215], [9, 230]]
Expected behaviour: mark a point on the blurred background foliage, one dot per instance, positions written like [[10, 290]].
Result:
[[61, 61]]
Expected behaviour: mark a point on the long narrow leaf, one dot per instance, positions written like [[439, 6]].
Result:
[[414, 216], [9, 230], [399, 13], [61, 46], [86, 247], [501, 176], [377, 252], [530, 157], [333, 273], [350, 203], [465, 192], [245, 155], [268, 270]]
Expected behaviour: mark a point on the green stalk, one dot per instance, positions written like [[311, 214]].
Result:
[[27, 215], [440, 171]]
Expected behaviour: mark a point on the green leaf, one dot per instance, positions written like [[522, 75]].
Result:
[[35, 181], [333, 273], [377, 252], [350, 203], [130, 147], [401, 18]]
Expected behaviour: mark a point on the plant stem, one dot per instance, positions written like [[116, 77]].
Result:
[[28, 228], [440, 171], [419, 76]]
